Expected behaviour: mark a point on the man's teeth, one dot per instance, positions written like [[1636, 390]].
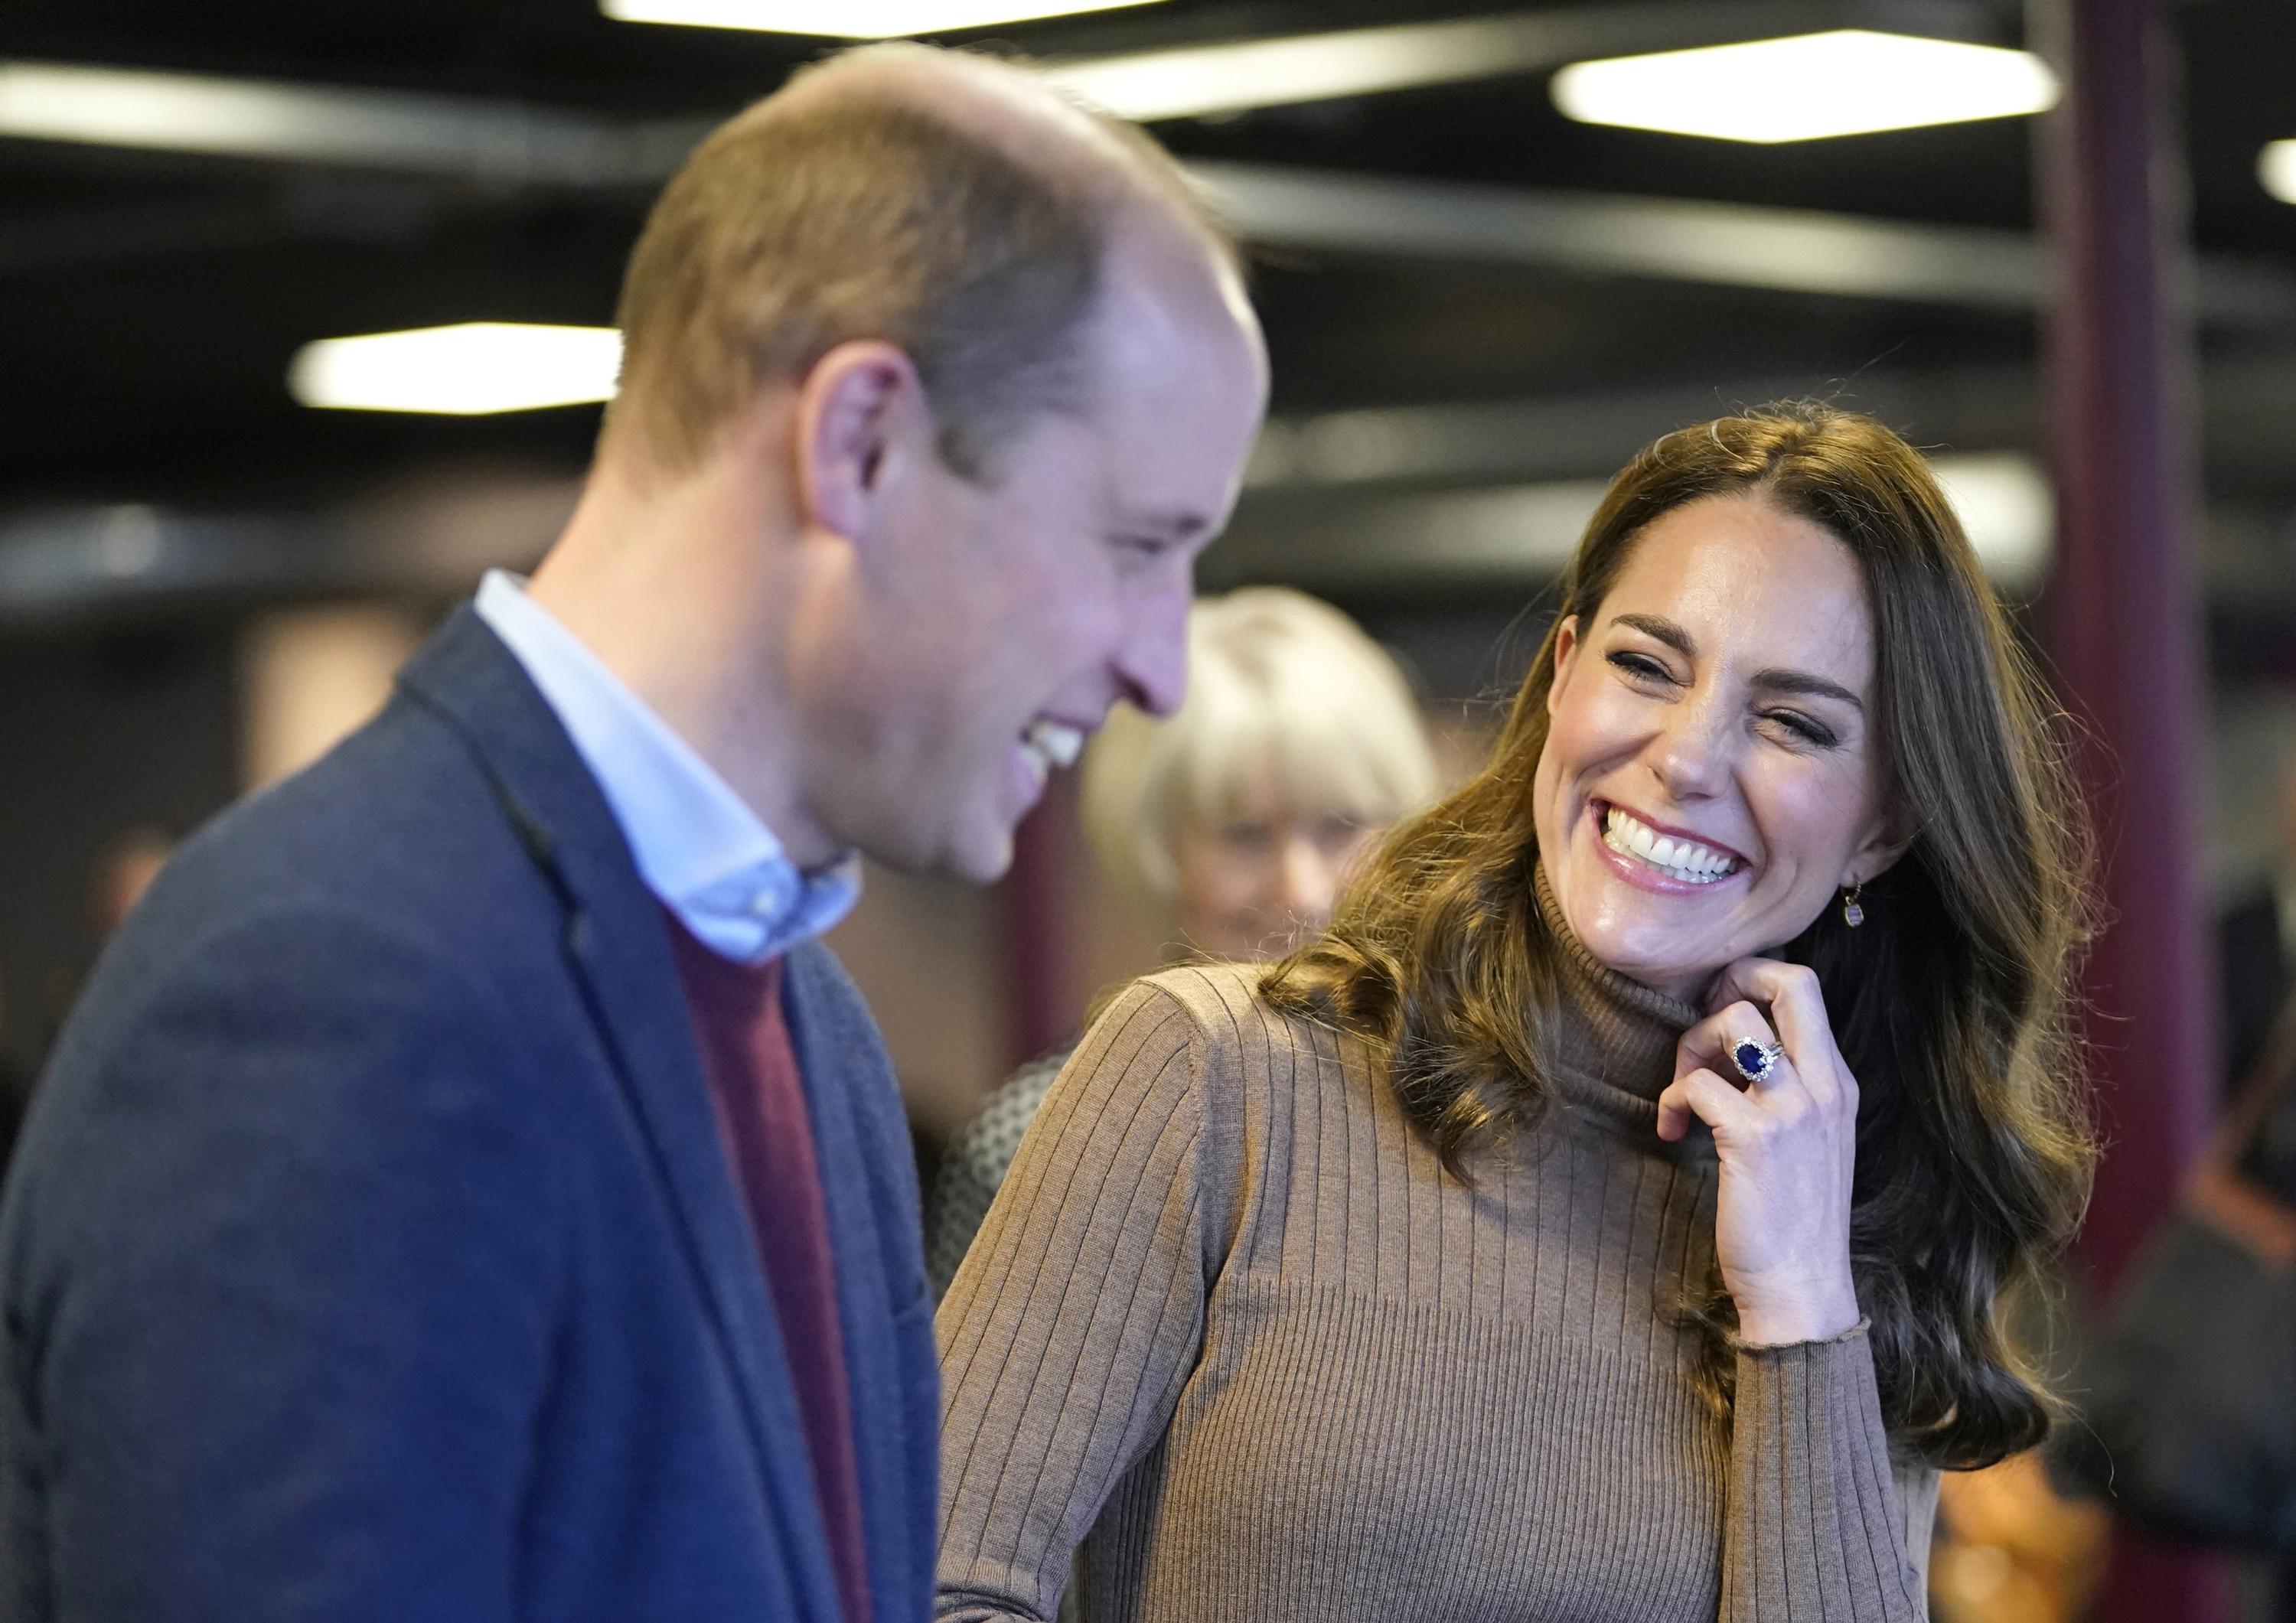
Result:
[[1048, 744], [1675, 857]]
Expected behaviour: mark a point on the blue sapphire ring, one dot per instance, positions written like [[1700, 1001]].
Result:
[[1756, 1060]]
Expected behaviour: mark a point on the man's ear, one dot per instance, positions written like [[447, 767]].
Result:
[[1566, 651], [860, 412]]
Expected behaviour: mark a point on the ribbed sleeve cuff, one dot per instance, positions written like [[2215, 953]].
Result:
[[1763, 1348], [1815, 1527]]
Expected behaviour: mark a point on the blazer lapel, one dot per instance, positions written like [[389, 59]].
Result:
[[840, 1064], [619, 949]]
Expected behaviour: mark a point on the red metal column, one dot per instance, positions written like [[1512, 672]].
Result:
[[2125, 626]]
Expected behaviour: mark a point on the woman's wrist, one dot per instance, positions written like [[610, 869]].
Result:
[[1784, 1319]]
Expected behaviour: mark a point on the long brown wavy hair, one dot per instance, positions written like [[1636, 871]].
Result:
[[1953, 1003]]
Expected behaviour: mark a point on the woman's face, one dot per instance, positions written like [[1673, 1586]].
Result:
[[1709, 777], [1261, 882]]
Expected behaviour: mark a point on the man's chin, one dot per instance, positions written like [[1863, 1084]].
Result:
[[979, 857]]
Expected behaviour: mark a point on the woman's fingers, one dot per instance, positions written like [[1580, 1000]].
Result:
[[1702, 1096], [1796, 1006], [1787, 1147], [1714, 1043]]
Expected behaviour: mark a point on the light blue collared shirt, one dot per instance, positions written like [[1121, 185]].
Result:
[[700, 848]]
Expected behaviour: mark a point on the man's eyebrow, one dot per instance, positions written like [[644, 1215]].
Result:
[[1776, 680]]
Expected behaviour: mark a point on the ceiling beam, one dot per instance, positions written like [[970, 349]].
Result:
[[1450, 501], [1793, 250], [503, 146], [1234, 76]]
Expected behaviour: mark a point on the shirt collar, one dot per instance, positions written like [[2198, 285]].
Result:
[[698, 847]]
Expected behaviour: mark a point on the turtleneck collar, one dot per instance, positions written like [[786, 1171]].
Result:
[[1613, 1046]]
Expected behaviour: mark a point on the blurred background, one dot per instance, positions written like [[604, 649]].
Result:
[[1496, 253]]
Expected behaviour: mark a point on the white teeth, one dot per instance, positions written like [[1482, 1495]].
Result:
[[1057, 744], [1047, 746], [1674, 856]]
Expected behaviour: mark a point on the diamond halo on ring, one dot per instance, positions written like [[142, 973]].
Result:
[[1756, 1060]]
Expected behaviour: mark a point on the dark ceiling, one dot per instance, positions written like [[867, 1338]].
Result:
[[149, 303]]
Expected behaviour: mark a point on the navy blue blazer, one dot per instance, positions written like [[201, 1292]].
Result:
[[371, 1251]]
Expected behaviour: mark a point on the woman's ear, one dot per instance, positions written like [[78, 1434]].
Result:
[[1877, 854], [1566, 651], [860, 413]]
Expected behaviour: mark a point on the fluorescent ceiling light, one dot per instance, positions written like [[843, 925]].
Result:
[[475, 367], [2003, 498], [188, 112], [2276, 167], [115, 107], [1198, 80], [1846, 82], [851, 19], [2007, 509]]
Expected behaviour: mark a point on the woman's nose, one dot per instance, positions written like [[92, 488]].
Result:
[[1690, 756], [1311, 883]]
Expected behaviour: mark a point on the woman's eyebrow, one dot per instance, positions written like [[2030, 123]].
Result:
[[1812, 686], [1667, 631], [1777, 681]]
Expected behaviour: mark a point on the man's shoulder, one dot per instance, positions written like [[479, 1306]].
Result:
[[350, 966], [381, 882], [396, 827]]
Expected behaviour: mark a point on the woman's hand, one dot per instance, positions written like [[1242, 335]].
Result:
[[1788, 1147]]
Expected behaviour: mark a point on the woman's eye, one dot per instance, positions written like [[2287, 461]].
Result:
[[1805, 728], [1337, 834], [1641, 667]]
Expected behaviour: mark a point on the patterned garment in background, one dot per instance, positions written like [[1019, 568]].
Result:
[[976, 1163]]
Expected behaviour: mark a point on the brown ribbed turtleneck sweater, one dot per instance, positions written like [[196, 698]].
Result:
[[1232, 1336]]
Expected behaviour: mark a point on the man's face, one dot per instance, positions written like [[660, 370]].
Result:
[[1000, 620]]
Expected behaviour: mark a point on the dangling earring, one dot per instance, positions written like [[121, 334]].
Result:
[[1853, 913]]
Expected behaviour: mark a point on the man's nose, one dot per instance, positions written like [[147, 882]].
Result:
[[1153, 665]]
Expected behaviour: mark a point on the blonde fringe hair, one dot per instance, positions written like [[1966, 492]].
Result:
[[1280, 686]]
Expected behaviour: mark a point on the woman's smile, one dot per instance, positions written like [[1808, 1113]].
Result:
[[1657, 857]]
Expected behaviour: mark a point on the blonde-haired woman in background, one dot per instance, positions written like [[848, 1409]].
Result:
[[1229, 826]]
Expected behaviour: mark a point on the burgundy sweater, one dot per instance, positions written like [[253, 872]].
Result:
[[752, 1071]]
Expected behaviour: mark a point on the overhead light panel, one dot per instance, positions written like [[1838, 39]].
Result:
[[852, 19], [1196, 81], [467, 370], [496, 141], [2276, 167], [1846, 82], [128, 106]]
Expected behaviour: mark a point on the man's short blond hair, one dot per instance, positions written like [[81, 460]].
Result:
[[855, 203], [1281, 688]]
